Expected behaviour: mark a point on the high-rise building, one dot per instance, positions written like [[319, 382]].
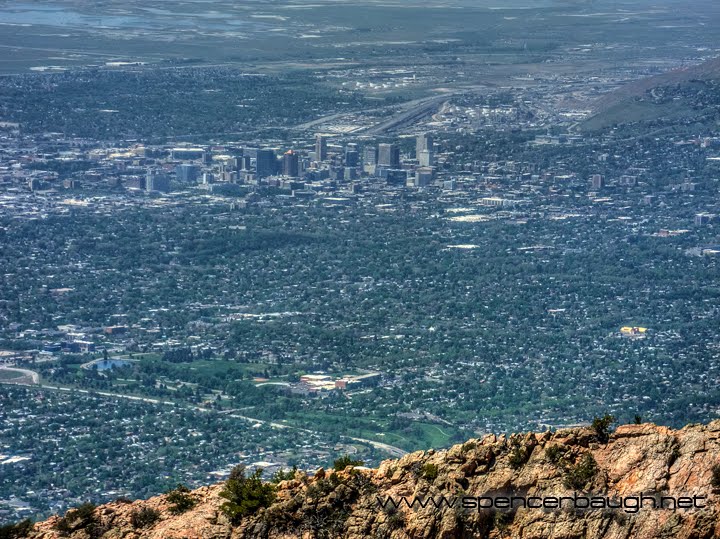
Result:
[[244, 162], [352, 158], [369, 159], [388, 155], [157, 181], [265, 163], [395, 176], [424, 176], [186, 172], [598, 181], [425, 158], [424, 150], [423, 142], [236, 163], [320, 148], [352, 155], [350, 173], [704, 218], [290, 164]]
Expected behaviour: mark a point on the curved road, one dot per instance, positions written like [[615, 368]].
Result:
[[390, 449], [35, 377]]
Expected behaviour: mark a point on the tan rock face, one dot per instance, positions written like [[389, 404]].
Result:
[[638, 460]]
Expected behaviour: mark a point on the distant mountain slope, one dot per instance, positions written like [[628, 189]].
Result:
[[684, 95], [637, 459]]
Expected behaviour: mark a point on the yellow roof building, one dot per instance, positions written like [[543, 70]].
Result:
[[632, 330]]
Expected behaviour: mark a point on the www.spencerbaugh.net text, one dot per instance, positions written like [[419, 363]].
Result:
[[629, 504]]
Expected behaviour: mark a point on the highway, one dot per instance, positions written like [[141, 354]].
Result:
[[418, 109], [410, 112], [387, 448], [35, 377]]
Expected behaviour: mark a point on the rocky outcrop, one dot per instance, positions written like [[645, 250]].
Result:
[[637, 460]]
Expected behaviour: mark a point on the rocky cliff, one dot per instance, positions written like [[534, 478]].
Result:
[[537, 469]]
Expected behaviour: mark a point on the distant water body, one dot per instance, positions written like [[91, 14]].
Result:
[[108, 364], [27, 13]]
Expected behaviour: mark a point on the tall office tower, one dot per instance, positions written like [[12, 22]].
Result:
[[424, 150], [352, 155], [370, 155], [395, 176], [290, 164], [350, 173], [423, 142], [265, 163], [320, 148], [235, 151], [598, 181], [369, 159], [237, 162], [424, 176], [352, 158], [425, 158], [157, 181], [186, 172], [388, 155]]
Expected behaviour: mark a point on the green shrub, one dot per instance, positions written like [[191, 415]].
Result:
[[245, 494], [343, 462], [601, 426], [502, 520], [144, 518], [180, 500], [282, 475], [519, 455], [395, 519], [638, 419], [362, 482], [334, 479], [715, 480], [554, 453], [577, 476], [320, 488], [314, 492], [16, 531], [468, 446], [80, 518], [429, 471]]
